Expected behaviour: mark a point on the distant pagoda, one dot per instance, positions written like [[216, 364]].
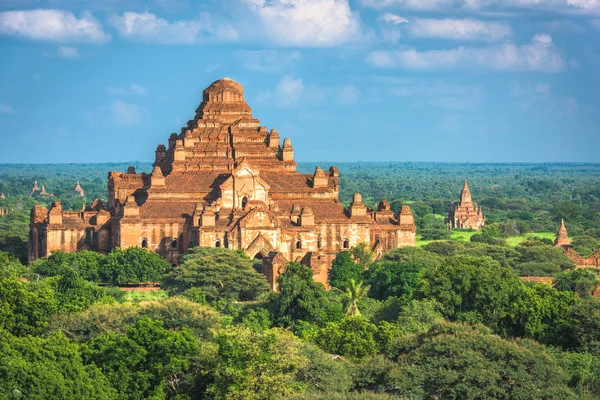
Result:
[[562, 240], [562, 237], [79, 189], [34, 189], [466, 214]]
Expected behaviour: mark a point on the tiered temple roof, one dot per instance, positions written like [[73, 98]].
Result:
[[225, 180], [466, 214]]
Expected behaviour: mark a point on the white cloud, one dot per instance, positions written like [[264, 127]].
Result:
[[563, 26], [348, 94], [126, 113], [288, 90], [268, 60], [306, 23], [591, 7], [393, 19], [543, 89], [312, 23], [133, 88], [291, 91], [52, 25], [67, 52], [538, 98], [6, 109], [390, 26], [539, 55], [459, 29], [147, 27], [429, 93]]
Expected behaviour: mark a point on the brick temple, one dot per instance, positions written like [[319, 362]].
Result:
[[466, 214], [562, 240], [225, 181]]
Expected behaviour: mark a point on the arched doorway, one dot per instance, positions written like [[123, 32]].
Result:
[[144, 244], [244, 201], [259, 265]]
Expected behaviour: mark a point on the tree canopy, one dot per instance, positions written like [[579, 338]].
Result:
[[220, 273]]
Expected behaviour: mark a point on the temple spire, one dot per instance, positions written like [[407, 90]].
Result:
[[465, 195], [562, 236]]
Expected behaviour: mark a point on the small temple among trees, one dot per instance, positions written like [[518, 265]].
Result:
[[562, 240], [226, 181], [466, 214]]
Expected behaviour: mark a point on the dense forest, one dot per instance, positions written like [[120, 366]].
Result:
[[449, 319]]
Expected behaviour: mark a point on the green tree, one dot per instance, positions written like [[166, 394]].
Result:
[[378, 374], [468, 362], [353, 294], [581, 281], [37, 368], [475, 289], [299, 297], [541, 261], [585, 245], [10, 266], [220, 273], [73, 293], [539, 312], [393, 278], [87, 264], [175, 314], [354, 337], [583, 331], [256, 365], [25, 308], [490, 234], [258, 319], [343, 269], [362, 254], [132, 265], [567, 210], [147, 362], [419, 316], [323, 374]]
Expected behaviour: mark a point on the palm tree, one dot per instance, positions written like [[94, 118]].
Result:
[[354, 292]]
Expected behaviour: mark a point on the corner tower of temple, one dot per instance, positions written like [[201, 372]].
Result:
[[225, 181], [466, 214]]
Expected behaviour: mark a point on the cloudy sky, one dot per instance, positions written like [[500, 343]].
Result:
[[358, 80]]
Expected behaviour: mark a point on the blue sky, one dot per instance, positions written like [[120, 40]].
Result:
[[359, 80]]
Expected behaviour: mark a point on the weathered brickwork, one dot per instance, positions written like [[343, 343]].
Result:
[[225, 181]]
